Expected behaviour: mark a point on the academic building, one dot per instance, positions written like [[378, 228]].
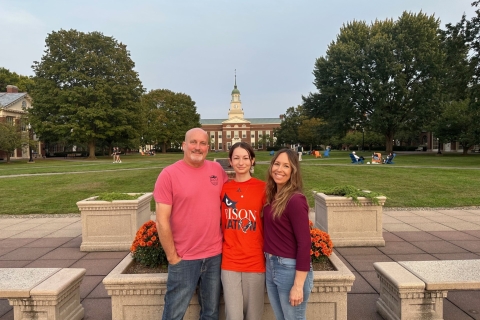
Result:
[[13, 107], [223, 133]]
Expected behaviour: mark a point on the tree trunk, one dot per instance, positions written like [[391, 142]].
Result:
[[8, 156], [91, 150], [164, 147], [389, 142]]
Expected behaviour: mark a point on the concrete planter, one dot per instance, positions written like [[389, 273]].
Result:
[[349, 224], [111, 226], [141, 296]]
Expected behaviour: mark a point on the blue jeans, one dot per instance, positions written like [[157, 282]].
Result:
[[279, 280], [182, 281]]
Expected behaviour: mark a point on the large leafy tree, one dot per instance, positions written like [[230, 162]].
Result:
[[86, 89], [310, 132], [167, 115], [23, 83], [383, 77], [287, 133], [460, 113]]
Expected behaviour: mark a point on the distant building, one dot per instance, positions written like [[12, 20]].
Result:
[[223, 133], [13, 106]]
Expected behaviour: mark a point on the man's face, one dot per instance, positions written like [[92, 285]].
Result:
[[195, 148]]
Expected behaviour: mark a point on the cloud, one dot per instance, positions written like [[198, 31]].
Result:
[[13, 18]]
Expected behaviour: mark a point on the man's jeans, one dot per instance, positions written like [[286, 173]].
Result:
[[183, 278], [279, 280]]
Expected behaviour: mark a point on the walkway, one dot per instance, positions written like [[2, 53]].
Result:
[[30, 241]]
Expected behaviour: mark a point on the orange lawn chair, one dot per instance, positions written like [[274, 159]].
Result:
[[317, 154], [378, 158]]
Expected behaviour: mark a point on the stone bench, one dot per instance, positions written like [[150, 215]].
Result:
[[415, 289], [43, 293]]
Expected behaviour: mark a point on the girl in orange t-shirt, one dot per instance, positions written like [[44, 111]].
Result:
[[243, 260]]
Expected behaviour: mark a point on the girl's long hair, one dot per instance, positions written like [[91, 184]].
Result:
[[279, 200]]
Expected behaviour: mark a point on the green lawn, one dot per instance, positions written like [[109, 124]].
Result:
[[415, 180]]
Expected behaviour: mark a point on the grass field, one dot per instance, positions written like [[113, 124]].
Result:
[[415, 180]]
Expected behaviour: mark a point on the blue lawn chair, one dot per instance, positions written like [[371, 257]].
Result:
[[390, 161], [272, 153], [355, 160], [326, 153]]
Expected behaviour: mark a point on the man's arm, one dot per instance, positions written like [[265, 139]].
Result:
[[163, 213]]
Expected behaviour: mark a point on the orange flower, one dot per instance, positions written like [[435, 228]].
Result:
[[321, 243]]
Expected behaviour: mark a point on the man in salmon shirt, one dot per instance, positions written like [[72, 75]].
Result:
[[187, 196]]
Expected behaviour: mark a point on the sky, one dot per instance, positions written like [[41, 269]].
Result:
[[195, 47]]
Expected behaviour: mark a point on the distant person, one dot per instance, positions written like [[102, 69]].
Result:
[[243, 260], [289, 275], [357, 157], [389, 158], [299, 152], [187, 196], [116, 155]]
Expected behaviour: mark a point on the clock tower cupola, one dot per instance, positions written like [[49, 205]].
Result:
[[235, 104]]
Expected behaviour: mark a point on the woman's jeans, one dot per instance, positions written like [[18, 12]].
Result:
[[183, 278], [279, 278]]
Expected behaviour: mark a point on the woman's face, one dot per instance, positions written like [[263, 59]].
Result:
[[281, 170], [241, 161]]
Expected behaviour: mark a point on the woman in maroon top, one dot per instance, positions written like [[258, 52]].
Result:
[[289, 276]]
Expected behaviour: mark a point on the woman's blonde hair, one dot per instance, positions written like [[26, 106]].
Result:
[[279, 200]]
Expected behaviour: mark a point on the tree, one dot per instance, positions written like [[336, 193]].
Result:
[[309, 132], [23, 83], [167, 116], [459, 122], [459, 115], [287, 133], [11, 138], [85, 89], [383, 77]]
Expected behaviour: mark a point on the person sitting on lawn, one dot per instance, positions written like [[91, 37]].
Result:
[[357, 157]]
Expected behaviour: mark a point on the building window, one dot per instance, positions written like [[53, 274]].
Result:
[[260, 135], [219, 136], [244, 135], [260, 146], [220, 147], [228, 145], [24, 105], [253, 136], [253, 144], [10, 120], [228, 136], [212, 136], [213, 147]]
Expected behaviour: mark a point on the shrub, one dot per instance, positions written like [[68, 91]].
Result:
[[146, 248], [352, 192], [322, 245]]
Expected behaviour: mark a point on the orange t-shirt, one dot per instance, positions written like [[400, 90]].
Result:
[[242, 225]]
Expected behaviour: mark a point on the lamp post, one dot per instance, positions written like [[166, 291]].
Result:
[[29, 146], [438, 146], [363, 139]]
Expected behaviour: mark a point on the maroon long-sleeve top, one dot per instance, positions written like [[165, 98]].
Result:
[[289, 235]]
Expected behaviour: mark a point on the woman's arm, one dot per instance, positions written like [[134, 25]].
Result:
[[296, 293]]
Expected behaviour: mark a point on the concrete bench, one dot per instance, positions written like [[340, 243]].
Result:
[[43, 293], [73, 155], [415, 289]]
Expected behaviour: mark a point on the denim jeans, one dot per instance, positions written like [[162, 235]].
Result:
[[279, 280], [182, 281]]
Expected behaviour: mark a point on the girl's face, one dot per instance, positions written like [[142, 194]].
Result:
[[281, 170], [241, 161]]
